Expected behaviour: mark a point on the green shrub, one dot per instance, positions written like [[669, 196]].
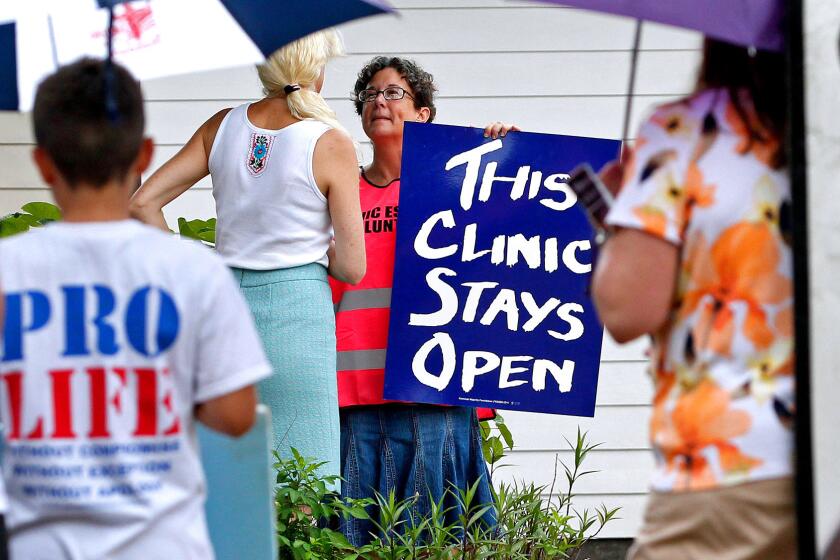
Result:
[[530, 526], [306, 508], [32, 214]]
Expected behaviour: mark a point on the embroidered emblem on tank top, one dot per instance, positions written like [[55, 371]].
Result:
[[258, 153]]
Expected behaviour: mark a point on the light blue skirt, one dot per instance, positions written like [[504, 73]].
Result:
[[293, 312]]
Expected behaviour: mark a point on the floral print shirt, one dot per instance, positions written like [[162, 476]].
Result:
[[723, 363]]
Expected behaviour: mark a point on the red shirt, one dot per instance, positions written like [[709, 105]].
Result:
[[363, 310]]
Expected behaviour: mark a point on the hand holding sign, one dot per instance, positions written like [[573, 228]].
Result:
[[490, 303]]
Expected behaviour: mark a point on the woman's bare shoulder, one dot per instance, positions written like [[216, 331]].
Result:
[[210, 128]]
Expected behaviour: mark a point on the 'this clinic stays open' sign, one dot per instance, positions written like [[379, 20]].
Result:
[[490, 305]]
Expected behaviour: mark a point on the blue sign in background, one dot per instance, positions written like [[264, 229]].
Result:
[[427, 188]]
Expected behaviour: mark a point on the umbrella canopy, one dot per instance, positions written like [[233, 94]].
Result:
[[752, 23], [155, 38]]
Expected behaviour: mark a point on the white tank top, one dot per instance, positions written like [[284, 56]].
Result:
[[270, 212]]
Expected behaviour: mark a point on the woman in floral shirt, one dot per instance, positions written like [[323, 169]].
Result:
[[700, 258]]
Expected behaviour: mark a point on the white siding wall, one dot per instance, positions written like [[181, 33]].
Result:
[[822, 77], [554, 70]]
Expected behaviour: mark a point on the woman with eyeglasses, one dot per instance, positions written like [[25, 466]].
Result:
[[286, 186], [417, 451]]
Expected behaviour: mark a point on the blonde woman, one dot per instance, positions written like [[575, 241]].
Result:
[[286, 185]]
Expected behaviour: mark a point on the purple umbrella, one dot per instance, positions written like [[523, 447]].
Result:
[[752, 23]]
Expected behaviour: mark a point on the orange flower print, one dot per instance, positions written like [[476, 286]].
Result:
[[764, 149], [767, 367], [702, 421], [696, 193], [672, 198], [653, 220], [665, 381], [656, 162], [742, 266], [629, 164], [689, 375], [675, 121], [784, 322], [723, 361], [653, 214], [766, 203]]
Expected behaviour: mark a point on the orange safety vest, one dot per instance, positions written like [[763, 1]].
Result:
[[362, 311]]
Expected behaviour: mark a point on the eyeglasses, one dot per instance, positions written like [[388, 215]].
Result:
[[390, 93]]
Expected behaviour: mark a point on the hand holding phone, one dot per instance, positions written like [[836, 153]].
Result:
[[592, 193]]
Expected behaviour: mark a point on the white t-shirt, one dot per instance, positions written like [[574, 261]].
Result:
[[270, 211], [114, 332]]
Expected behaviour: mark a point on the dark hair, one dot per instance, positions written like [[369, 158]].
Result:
[[72, 123], [421, 82], [762, 76]]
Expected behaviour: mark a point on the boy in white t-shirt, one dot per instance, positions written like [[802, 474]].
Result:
[[116, 337]]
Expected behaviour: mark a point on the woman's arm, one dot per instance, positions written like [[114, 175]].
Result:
[[177, 175], [634, 282], [337, 175]]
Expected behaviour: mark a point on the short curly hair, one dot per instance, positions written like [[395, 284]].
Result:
[[422, 83]]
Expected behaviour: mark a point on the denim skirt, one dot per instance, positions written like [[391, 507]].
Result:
[[293, 312], [415, 451]]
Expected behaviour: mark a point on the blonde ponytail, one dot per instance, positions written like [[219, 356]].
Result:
[[300, 64]]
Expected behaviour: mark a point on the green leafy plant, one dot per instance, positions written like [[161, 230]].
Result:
[[496, 441], [537, 528], [306, 508], [37, 214], [534, 522], [32, 214], [203, 230]]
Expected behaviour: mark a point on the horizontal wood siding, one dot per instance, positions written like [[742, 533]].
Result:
[[548, 69]]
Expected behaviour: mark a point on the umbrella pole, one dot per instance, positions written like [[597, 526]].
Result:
[[111, 107], [631, 85], [53, 47], [110, 94]]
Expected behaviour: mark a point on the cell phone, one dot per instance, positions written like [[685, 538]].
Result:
[[592, 194]]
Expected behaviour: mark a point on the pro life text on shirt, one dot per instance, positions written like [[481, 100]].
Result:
[[92, 328]]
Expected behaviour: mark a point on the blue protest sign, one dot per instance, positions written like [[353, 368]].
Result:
[[490, 303]]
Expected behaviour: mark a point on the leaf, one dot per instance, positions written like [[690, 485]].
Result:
[[28, 218], [185, 229], [202, 230], [498, 450], [207, 234], [506, 435], [43, 211], [487, 451], [14, 224]]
